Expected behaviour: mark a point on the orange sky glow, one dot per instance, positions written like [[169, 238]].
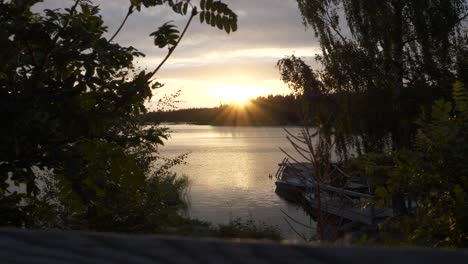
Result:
[[210, 67]]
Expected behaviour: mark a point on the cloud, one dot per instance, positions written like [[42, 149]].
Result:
[[209, 92], [268, 31]]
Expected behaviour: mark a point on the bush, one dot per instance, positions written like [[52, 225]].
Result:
[[239, 228], [70, 101], [433, 175]]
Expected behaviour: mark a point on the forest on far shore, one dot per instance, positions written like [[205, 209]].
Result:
[[271, 110]]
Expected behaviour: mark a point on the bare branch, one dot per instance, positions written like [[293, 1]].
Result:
[[295, 231], [295, 137], [130, 11], [296, 221], [299, 150]]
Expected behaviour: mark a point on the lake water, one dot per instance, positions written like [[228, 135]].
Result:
[[228, 169]]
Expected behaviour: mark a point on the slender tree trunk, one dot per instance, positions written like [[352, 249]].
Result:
[[397, 39], [399, 136], [397, 72]]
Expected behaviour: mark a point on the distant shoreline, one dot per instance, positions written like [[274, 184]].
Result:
[[262, 111], [220, 125]]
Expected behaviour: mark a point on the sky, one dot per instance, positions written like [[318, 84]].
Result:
[[211, 67]]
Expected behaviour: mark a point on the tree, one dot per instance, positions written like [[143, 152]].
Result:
[[261, 111], [434, 175], [382, 62], [394, 55], [70, 101]]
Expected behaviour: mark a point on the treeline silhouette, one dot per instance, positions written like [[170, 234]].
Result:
[[268, 110]]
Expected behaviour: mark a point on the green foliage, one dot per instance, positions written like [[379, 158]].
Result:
[[213, 13], [166, 35], [383, 62], [216, 13], [235, 228], [434, 175], [460, 97], [70, 102], [387, 58], [239, 228], [300, 78]]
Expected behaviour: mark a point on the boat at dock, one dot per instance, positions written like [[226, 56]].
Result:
[[351, 200]]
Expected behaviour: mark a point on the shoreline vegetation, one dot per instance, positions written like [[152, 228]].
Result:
[[271, 110], [235, 228]]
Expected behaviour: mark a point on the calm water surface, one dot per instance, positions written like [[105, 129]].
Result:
[[228, 168]]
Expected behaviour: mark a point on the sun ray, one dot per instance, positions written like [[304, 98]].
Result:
[[235, 94]]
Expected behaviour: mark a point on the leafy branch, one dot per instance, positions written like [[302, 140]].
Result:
[[167, 35], [216, 13]]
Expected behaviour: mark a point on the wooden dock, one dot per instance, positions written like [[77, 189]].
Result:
[[351, 203], [356, 213]]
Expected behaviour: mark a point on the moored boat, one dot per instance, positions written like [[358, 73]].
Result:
[[351, 201]]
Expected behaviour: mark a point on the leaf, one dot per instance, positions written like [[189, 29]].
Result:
[[178, 8], [213, 20], [136, 4], [202, 17], [3, 76], [208, 4], [167, 34], [441, 110], [208, 17], [219, 22], [460, 97], [227, 26], [234, 26]]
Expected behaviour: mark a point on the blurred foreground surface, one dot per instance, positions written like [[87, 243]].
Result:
[[19, 246]]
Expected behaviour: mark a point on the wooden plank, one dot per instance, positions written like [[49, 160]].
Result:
[[341, 211], [348, 192]]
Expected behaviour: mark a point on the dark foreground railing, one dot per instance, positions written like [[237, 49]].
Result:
[[18, 246]]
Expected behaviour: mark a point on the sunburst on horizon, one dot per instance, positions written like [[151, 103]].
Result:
[[239, 95]]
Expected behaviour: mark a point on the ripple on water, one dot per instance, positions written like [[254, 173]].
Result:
[[228, 170]]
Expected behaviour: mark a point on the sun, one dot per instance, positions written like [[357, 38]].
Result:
[[240, 99], [236, 94]]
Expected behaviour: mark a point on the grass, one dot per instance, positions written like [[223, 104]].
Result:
[[235, 228]]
